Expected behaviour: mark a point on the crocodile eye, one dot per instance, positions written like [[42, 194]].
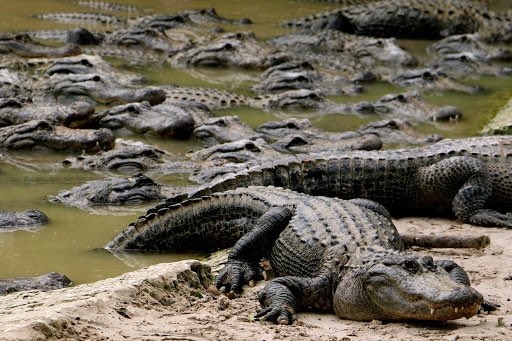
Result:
[[427, 75], [379, 43], [302, 78], [96, 78], [411, 265], [401, 98], [251, 146], [85, 62], [463, 58], [228, 47], [221, 123], [427, 261], [292, 125]]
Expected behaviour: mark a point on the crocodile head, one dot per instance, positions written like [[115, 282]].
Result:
[[403, 287], [166, 120], [223, 129], [97, 89], [239, 49], [114, 191], [412, 105], [432, 80]]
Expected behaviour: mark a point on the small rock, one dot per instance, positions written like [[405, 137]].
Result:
[[212, 289], [223, 302]]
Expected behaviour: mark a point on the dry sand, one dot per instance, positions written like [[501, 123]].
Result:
[[170, 302]]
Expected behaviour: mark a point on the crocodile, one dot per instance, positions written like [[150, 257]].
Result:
[[408, 105], [335, 50], [48, 281], [98, 89], [84, 18], [15, 220], [328, 254], [115, 191], [42, 134], [224, 129], [416, 19], [129, 157], [432, 80], [76, 115], [237, 49], [164, 119], [108, 6], [468, 64], [303, 75], [466, 178], [470, 43], [23, 46]]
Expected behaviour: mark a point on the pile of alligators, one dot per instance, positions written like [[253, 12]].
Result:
[[266, 190]]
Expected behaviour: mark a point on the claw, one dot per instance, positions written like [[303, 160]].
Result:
[[265, 275]]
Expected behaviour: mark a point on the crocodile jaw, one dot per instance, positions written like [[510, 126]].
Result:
[[394, 294]]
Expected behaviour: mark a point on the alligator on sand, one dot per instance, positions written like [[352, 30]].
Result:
[[328, 254]]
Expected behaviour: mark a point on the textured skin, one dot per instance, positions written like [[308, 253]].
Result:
[[21, 45], [470, 178], [42, 134], [322, 250], [22, 219], [427, 19], [166, 120], [49, 281], [113, 191]]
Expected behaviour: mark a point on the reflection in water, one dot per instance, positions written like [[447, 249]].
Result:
[[72, 242]]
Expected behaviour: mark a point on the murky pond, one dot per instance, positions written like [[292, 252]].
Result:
[[72, 242]]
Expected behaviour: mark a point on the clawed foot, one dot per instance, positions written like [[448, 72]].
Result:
[[489, 306], [235, 274], [282, 314], [491, 218]]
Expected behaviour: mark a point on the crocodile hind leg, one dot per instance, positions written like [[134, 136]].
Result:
[[466, 180], [282, 295], [242, 265]]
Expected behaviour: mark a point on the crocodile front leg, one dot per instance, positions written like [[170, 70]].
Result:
[[466, 180], [282, 295], [242, 266]]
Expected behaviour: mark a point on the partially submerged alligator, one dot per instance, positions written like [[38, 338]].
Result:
[[48, 281], [469, 178], [13, 220], [420, 19], [329, 255]]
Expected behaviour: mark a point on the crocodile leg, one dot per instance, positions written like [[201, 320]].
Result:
[[468, 179], [242, 264], [282, 295]]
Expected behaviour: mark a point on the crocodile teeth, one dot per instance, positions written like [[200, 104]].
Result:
[[456, 309], [432, 311]]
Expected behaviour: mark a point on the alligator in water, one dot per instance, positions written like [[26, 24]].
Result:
[[39, 134], [469, 178], [328, 254], [420, 19], [48, 281], [15, 220], [113, 192]]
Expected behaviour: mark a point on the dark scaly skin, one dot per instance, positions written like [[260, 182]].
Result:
[[420, 19], [48, 281], [468, 178], [22, 219], [328, 254], [39, 134]]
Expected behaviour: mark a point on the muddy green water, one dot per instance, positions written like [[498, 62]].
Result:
[[72, 242]]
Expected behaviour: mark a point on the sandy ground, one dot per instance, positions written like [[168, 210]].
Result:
[[170, 302]]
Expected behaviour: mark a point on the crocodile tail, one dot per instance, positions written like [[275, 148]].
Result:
[[201, 224]]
